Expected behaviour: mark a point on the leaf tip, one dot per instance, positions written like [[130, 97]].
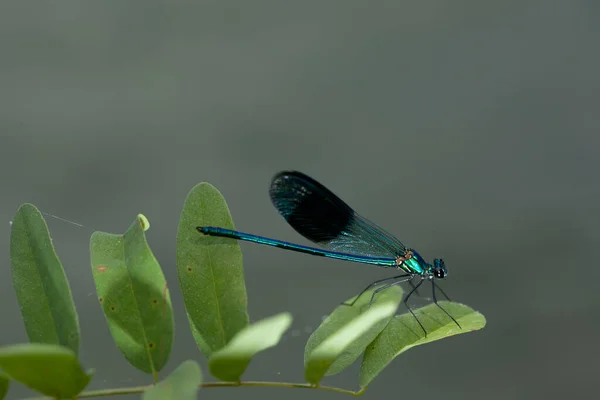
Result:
[[143, 222]]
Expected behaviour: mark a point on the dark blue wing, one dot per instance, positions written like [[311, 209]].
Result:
[[323, 218]]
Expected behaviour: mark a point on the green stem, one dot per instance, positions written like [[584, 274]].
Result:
[[155, 376], [288, 385], [140, 389]]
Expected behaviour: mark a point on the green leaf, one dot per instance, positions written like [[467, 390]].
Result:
[[181, 384], [321, 358], [134, 296], [4, 385], [403, 332], [46, 368], [341, 316], [40, 282], [229, 363], [210, 271]]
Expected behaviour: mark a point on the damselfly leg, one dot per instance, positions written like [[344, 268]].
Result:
[[376, 283], [433, 286]]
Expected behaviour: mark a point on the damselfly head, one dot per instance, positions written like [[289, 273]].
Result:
[[439, 268]]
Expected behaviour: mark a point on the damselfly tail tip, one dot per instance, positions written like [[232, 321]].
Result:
[[201, 229]]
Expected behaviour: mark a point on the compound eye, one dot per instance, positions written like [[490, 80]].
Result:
[[439, 273]]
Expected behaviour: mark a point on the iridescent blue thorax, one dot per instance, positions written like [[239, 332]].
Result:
[[416, 264], [413, 263]]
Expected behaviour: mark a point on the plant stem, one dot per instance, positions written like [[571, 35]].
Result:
[[282, 385], [140, 389]]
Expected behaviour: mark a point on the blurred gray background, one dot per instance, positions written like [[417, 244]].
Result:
[[469, 129]]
